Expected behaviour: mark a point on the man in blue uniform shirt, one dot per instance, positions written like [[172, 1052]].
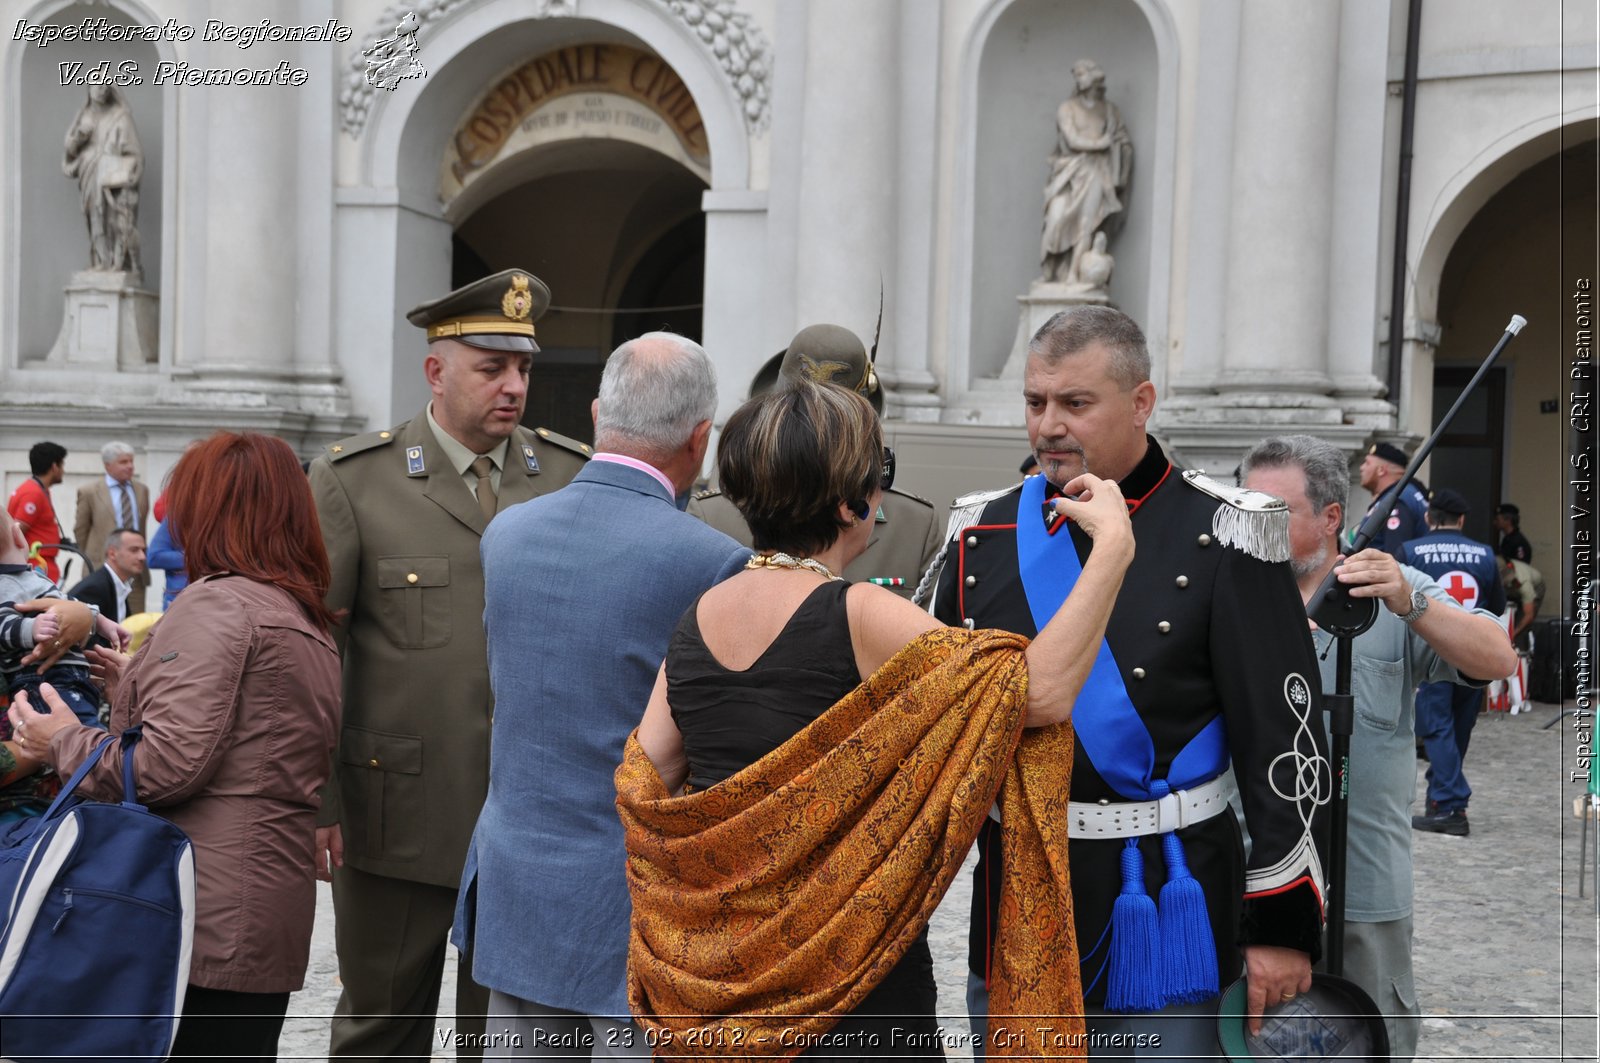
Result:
[[1446, 712], [1381, 469]]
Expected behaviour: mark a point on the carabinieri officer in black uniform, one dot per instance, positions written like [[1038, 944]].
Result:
[[1209, 660]]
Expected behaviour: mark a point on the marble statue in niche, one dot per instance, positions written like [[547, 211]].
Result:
[[103, 154], [1089, 172]]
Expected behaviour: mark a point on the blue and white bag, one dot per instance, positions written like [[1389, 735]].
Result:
[[99, 926]]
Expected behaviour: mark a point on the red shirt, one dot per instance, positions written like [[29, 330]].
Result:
[[30, 507]]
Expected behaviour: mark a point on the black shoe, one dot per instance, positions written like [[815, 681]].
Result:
[[1454, 822]]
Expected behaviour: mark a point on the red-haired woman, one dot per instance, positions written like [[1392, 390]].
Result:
[[237, 690]]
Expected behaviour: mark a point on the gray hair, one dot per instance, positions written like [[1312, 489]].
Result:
[[114, 450], [1071, 331], [1327, 468], [655, 389]]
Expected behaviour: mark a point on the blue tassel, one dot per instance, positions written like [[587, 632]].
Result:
[[1135, 982], [1189, 967]]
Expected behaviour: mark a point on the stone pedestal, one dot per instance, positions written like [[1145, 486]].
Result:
[[1044, 300], [107, 323]]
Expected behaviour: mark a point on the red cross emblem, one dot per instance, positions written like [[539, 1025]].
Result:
[[1462, 587]]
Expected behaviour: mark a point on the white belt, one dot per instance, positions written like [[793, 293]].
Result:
[[1132, 819]]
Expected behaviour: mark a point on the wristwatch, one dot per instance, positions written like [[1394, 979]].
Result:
[[1419, 605]]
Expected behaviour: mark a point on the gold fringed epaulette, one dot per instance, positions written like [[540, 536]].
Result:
[[1252, 521]]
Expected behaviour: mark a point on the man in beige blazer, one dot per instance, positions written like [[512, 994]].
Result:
[[402, 512], [115, 500]]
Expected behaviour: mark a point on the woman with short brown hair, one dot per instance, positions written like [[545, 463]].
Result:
[[816, 759]]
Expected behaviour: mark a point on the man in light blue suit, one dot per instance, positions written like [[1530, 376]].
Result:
[[584, 587]]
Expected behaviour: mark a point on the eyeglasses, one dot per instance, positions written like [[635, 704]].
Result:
[[888, 470]]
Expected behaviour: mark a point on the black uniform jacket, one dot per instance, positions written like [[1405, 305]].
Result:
[[1198, 629]]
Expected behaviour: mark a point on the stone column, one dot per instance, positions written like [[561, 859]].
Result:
[[257, 331], [1270, 373], [905, 365], [846, 225]]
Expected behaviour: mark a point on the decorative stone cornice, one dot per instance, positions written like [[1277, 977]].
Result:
[[734, 40], [740, 48]]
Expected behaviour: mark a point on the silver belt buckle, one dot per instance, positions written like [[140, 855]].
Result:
[[1169, 813]]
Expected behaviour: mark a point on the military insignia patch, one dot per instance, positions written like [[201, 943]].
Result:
[[530, 458], [517, 303], [824, 372], [414, 465], [880, 517]]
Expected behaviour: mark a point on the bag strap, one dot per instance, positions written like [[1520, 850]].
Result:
[[130, 789], [72, 783]]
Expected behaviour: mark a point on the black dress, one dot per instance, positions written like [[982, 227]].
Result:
[[731, 719]]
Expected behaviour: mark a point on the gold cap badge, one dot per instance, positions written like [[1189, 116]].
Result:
[[517, 303]]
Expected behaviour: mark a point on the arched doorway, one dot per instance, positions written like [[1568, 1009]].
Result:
[[396, 224], [1517, 254], [585, 164]]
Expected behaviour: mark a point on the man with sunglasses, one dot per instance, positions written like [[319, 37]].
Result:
[[906, 527]]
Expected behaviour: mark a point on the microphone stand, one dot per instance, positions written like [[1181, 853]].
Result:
[[1344, 617]]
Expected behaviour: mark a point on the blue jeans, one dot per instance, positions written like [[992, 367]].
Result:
[[1446, 714], [79, 692]]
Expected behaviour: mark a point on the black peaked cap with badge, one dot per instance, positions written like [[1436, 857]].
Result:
[[496, 313], [908, 528]]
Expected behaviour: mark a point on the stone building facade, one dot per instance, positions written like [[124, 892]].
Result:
[[738, 168]]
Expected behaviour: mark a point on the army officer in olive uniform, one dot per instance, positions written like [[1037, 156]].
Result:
[[402, 511], [907, 531]]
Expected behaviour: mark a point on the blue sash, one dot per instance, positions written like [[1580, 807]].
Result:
[[1154, 960]]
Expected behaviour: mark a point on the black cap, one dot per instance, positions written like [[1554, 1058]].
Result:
[[1030, 464], [496, 313], [1390, 452], [1447, 501]]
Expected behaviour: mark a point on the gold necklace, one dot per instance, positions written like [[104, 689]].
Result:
[[779, 559]]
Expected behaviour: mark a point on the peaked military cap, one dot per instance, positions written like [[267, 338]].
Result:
[[1447, 501], [827, 354], [496, 313]]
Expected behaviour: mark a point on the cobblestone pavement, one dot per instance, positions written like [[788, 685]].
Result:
[[1505, 947]]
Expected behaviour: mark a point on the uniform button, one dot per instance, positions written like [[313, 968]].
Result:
[[383, 435], [373, 763], [1138, 673], [411, 577], [1163, 627], [972, 540], [1205, 540], [972, 581], [1182, 581], [1105, 801], [972, 625]]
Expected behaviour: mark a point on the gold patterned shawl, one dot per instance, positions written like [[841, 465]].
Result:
[[768, 906]]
